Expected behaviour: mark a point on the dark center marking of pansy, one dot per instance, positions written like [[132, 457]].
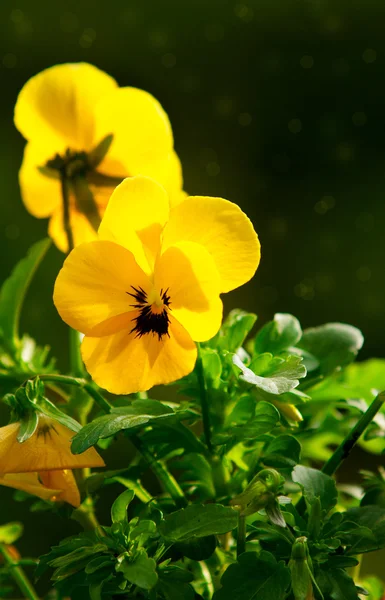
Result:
[[151, 318]]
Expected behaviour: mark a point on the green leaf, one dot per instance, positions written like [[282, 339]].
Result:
[[13, 291], [119, 507], [234, 330], [273, 375], [138, 414], [283, 451], [28, 425], [315, 484], [140, 571], [198, 521], [334, 345], [336, 584], [265, 418], [174, 583], [212, 365], [363, 528], [254, 577], [10, 532], [197, 472], [278, 335], [199, 548]]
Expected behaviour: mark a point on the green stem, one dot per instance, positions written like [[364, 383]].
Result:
[[241, 537], [166, 479], [82, 384], [207, 578], [204, 400], [85, 515], [18, 575], [346, 446], [76, 363], [66, 211]]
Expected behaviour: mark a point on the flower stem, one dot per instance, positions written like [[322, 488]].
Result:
[[346, 446], [66, 211], [241, 537], [80, 383], [166, 479], [204, 400], [18, 574]]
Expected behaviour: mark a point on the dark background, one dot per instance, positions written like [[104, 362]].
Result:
[[278, 105]]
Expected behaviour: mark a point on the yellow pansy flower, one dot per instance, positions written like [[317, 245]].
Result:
[[43, 464], [64, 112], [150, 286]]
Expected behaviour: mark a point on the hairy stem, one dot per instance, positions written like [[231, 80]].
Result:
[[18, 574], [166, 479], [346, 446], [66, 211], [82, 384], [204, 400]]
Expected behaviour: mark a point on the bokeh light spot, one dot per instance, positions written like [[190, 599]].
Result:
[[305, 289], [16, 15], [363, 274], [324, 205], [169, 60], [359, 119], [369, 55], [245, 119], [307, 62], [213, 169], [295, 125], [87, 38], [244, 12]]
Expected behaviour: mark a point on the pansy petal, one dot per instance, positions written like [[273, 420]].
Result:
[[124, 364], [174, 183], [29, 482], [189, 274], [141, 129], [47, 450], [134, 218], [63, 480], [92, 289], [55, 108], [40, 194], [224, 230]]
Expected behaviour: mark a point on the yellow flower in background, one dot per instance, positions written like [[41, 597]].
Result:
[[43, 464], [64, 112], [150, 286]]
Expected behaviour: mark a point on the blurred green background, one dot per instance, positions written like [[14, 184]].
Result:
[[276, 105]]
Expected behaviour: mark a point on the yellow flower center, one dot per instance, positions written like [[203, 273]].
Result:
[[152, 312]]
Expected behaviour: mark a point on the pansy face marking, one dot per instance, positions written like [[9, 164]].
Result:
[[153, 314]]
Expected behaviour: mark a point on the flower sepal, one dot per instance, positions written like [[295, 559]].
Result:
[[29, 403], [261, 493]]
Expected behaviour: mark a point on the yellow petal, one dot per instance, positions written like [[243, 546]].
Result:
[[189, 274], [134, 218], [124, 364], [41, 195], [65, 482], [142, 132], [224, 230], [29, 482], [55, 108], [174, 183], [92, 289], [47, 450]]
